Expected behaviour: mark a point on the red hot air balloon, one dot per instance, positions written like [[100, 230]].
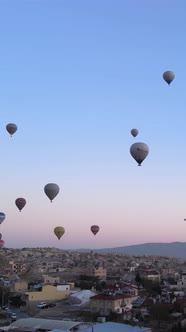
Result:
[[2, 243], [94, 229], [20, 203]]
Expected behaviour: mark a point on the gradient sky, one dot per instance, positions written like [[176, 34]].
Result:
[[76, 76]]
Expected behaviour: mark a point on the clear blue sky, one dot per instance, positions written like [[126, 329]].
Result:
[[76, 77]]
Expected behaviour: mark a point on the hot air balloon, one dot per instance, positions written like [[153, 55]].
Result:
[[59, 231], [139, 152], [51, 190], [0, 236], [2, 217], [168, 76], [2, 243], [134, 132], [94, 229], [20, 203], [11, 128]]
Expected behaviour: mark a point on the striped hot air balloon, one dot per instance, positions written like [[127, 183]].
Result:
[[20, 203], [94, 229]]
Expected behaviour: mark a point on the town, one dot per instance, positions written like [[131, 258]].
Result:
[[88, 290]]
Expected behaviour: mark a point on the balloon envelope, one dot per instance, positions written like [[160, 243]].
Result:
[[168, 76], [2, 243], [0, 236], [51, 190], [134, 132], [11, 128], [139, 151], [94, 229], [59, 231], [20, 203], [2, 217]]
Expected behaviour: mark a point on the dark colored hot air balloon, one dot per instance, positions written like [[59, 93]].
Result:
[[20, 203], [168, 76], [139, 152], [2, 243], [2, 217], [51, 190], [94, 229], [11, 128], [59, 231], [134, 132], [0, 236]]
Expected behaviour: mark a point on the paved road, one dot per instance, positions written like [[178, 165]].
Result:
[[19, 314]]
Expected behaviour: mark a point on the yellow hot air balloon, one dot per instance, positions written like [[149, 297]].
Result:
[[59, 231]]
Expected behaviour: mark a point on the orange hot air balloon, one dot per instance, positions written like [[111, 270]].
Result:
[[94, 229]]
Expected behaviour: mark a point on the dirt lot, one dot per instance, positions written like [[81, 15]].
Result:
[[62, 310]]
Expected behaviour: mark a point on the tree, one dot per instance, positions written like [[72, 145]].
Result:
[[4, 295], [160, 312], [138, 278]]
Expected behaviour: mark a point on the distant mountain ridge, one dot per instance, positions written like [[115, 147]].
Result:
[[172, 249]]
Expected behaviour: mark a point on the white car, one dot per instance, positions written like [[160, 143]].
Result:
[[13, 316], [42, 305]]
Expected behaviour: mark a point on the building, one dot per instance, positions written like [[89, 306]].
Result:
[[17, 267], [108, 302], [182, 282], [50, 279], [99, 272], [125, 288], [52, 267], [38, 324], [115, 327], [19, 286], [48, 293], [152, 275]]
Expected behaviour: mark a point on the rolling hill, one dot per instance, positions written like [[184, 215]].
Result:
[[173, 249]]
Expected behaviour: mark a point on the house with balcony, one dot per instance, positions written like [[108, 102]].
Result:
[[108, 302]]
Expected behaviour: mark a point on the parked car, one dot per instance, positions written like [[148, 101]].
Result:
[[9, 312], [42, 305], [51, 305], [13, 316], [5, 308]]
